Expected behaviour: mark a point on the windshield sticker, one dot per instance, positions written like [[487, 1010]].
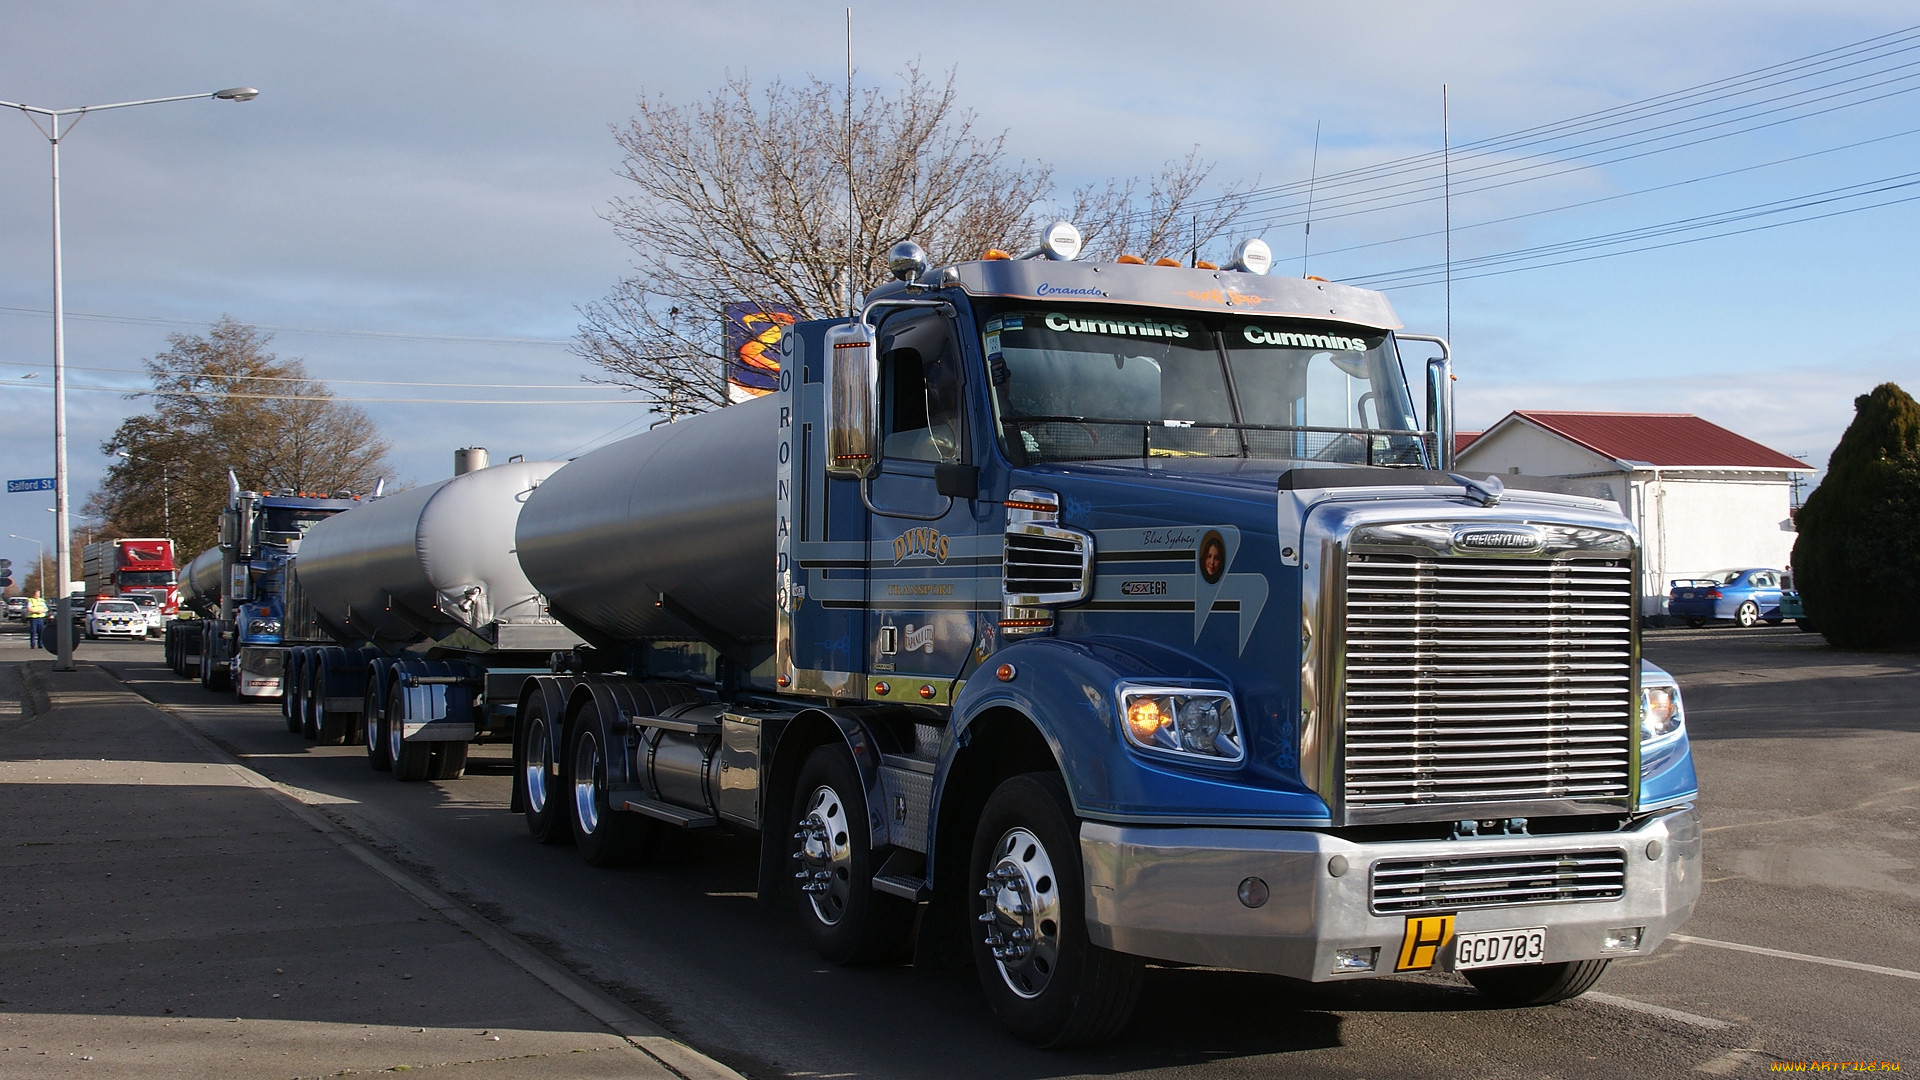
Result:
[[1117, 327], [1012, 322], [1259, 336]]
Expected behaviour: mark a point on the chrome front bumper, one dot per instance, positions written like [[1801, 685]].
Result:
[[262, 671], [1174, 894]]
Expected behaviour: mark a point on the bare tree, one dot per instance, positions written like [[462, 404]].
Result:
[[742, 198], [1172, 221], [223, 401]]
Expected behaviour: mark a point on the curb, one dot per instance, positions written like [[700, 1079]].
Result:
[[641, 1033]]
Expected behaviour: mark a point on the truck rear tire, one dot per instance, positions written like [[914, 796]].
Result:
[[834, 865], [410, 759], [603, 836], [546, 807], [1536, 984], [1046, 982]]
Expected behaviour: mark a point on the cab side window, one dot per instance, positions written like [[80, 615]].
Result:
[[923, 408]]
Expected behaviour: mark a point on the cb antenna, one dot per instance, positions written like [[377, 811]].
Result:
[[848, 124], [1312, 176], [1446, 200]]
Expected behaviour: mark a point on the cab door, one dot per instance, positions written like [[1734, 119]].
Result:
[[925, 552]]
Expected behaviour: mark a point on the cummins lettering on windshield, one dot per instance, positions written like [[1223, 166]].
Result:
[[1103, 382]]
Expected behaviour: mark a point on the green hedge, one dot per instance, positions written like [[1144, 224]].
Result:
[[1857, 559]]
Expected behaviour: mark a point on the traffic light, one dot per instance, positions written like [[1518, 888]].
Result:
[[6, 579]]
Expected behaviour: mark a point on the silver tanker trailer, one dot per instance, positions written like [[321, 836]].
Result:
[[435, 623], [200, 584]]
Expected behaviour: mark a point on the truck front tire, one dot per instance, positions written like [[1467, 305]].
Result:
[[1536, 984], [1047, 983], [833, 861]]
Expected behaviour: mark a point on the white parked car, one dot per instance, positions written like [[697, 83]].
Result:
[[116, 619], [150, 607]]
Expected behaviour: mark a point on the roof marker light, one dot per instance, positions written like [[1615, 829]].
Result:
[[1131, 260], [994, 255], [1252, 255], [1202, 264], [1164, 261]]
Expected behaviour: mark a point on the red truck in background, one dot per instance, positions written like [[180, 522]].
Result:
[[119, 567]]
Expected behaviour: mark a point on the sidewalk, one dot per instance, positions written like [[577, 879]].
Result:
[[166, 912]]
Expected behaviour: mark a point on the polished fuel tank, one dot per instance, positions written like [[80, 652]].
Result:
[[201, 582], [668, 534], [426, 562]]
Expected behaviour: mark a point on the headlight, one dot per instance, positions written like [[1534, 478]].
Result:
[[1198, 724], [266, 627], [1662, 718]]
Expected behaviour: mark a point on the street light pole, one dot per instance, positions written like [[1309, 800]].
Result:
[[63, 545], [41, 561]]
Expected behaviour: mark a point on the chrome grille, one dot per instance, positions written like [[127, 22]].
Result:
[[1486, 680], [1046, 565], [1412, 885]]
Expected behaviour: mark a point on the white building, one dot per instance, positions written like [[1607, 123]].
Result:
[[1702, 497]]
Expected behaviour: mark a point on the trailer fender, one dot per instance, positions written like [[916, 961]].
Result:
[[552, 691], [433, 711], [617, 700], [340, 678]]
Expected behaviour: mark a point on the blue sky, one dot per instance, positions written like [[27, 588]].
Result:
[[415, 195]]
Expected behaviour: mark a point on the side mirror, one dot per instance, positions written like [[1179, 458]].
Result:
[[1439, 399], [853, 401], [246, 510]]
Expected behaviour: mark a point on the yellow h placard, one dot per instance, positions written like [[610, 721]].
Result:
[[1426, 935]]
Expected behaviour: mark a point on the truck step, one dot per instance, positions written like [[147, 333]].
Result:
[[664, 723], [671, 814], [906, 888]]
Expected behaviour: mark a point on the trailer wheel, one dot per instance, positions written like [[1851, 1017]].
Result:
[[410, 759], [539, 778], [309, 701], [293, 688], [604, 836], [375, 732], [834, 865], [1536, 984], [449, 761], [1045, 980], [330, 728]]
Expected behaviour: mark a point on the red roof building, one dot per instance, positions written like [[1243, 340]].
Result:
[[1703, 498]]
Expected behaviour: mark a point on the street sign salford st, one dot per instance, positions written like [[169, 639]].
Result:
[[43, 483]]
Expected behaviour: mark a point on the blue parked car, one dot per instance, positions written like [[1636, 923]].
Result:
[[1744, 596]]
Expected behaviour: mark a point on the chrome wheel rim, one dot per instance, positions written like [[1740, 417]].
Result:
[[1023, 913], [538, 751], [586, 771], [396, 739], [825, 854]]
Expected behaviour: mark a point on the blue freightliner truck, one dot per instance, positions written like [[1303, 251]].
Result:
[[1069, 617], [248, 620]]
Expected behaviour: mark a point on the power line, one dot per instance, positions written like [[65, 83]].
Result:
[[316, 379], [317, 331], [127, 392]]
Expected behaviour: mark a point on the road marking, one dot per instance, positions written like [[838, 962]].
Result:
[[1649, 1009], [1725, 1064], [1782, 954]]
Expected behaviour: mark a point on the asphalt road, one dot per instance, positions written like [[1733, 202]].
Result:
[[1809, 759]]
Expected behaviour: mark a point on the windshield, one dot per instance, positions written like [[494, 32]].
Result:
[[294, 520], [146, 577], [115, 607], [1087, 383]]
